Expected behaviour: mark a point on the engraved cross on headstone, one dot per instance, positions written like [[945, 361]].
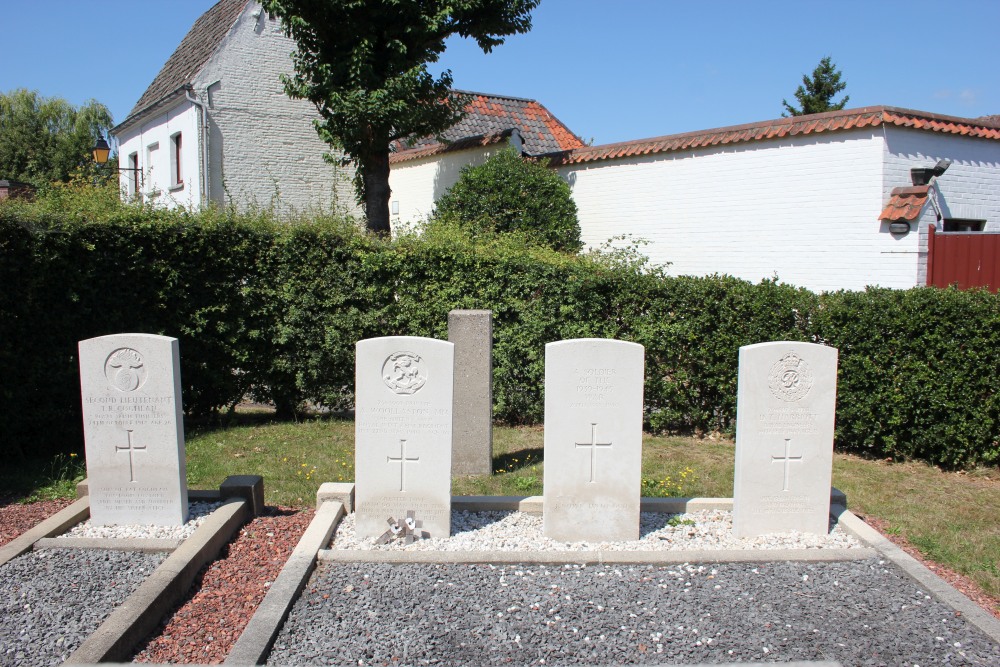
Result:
[[593, 444], [786, 459], [402, 460], [130, 448]]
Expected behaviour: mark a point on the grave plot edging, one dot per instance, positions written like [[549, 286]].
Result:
[[920, 573], [56, 524], [255, 642], [138, 616]]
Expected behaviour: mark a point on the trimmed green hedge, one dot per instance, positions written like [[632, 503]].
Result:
[[273, 312]]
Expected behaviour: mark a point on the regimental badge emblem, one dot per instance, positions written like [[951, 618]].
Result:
[[790, 378], [125, 369], [404, 373]]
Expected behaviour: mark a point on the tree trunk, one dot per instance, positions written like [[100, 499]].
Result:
[[376, 175]]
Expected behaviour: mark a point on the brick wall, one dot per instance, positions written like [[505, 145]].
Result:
[[804, 209], [263, 146], [417, 184]]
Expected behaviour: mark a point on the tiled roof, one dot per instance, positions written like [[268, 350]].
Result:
[[459, 145], [491, 115], [192, 53], [905, 204], [832, 121]]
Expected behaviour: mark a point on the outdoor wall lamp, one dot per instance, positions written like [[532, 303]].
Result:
[[101, 152], [899, 227]]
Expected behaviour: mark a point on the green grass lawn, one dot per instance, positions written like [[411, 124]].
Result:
[[951, 517]]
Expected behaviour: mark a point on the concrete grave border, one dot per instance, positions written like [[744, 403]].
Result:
[[142, 611], [331, 511]]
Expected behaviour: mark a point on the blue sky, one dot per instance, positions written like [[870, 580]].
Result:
[[612, 70]]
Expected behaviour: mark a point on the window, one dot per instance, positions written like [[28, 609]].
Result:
[[133, 167], [152, 157], [963, 225], [176, 171]]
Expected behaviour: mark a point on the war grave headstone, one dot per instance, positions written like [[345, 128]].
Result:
[[403, 434], [786, 400], [133, 428], [593, 440], [472, 333]]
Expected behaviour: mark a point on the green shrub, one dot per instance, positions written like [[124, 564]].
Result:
[[274, 311], [508, 194]]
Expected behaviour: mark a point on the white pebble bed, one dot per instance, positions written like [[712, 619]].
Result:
[[517, 531], [198, 513]]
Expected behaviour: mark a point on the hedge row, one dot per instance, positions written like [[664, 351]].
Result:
[[274, 312]]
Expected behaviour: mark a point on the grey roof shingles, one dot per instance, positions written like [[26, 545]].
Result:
[[192, 53]]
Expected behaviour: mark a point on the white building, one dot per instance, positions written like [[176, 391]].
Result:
[[815, 201], [215, 124], [808, 199]]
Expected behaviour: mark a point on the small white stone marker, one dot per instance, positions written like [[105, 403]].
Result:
[[593, 440], [786, 403], [133, 427], [402, 433]]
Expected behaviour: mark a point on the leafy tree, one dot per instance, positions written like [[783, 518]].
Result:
[[816, 93], [509, 194], [363, 63], [46, 139]]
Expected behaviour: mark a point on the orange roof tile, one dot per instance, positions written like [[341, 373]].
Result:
[[489, 115], [784, 127], [905, 204], [437, 149]]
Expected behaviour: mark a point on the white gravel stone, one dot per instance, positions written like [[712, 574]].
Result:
[[517, 531], [199, 511]]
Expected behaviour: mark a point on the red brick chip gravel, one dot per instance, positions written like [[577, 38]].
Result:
[[16, 518], [227, 592]]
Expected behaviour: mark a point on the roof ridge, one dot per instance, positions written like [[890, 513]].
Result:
[[200, 42], [830, 121], [503, 97]]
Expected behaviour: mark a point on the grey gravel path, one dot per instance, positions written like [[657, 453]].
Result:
[[858, 613], [54, 598]]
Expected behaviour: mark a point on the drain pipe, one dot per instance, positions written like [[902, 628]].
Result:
[[203, 144]]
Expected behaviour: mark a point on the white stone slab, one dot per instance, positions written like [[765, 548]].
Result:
[[593, 440], [785, 409], [402, 433], [133, 426]]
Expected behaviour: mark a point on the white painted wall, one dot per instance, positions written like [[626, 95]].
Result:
[[971, 186], [263, 146], [417, 184], [804, 209], [156, 181]]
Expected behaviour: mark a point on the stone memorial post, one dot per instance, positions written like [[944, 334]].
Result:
[[593, 440], [472, 333], [133, 427], [402, 433], [785, 407]]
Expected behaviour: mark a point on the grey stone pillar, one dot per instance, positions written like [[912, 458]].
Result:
[[472, 431]]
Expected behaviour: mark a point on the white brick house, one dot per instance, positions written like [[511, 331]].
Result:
[[241, 139], [810, 200], [795, 198]]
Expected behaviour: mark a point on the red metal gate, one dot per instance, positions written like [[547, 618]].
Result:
[[965, 259]]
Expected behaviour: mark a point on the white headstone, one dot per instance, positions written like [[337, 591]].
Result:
[[402, 433], [593, 440], [785, 408], [133, 427]]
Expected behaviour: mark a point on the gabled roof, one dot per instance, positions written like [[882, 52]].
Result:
[[191, 55], [833, 121], [905, 204], [488, 118]]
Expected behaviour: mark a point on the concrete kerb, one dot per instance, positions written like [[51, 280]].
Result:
[[141, 545], [56, 524], [917, 571], [255, 642], [139, 615]]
